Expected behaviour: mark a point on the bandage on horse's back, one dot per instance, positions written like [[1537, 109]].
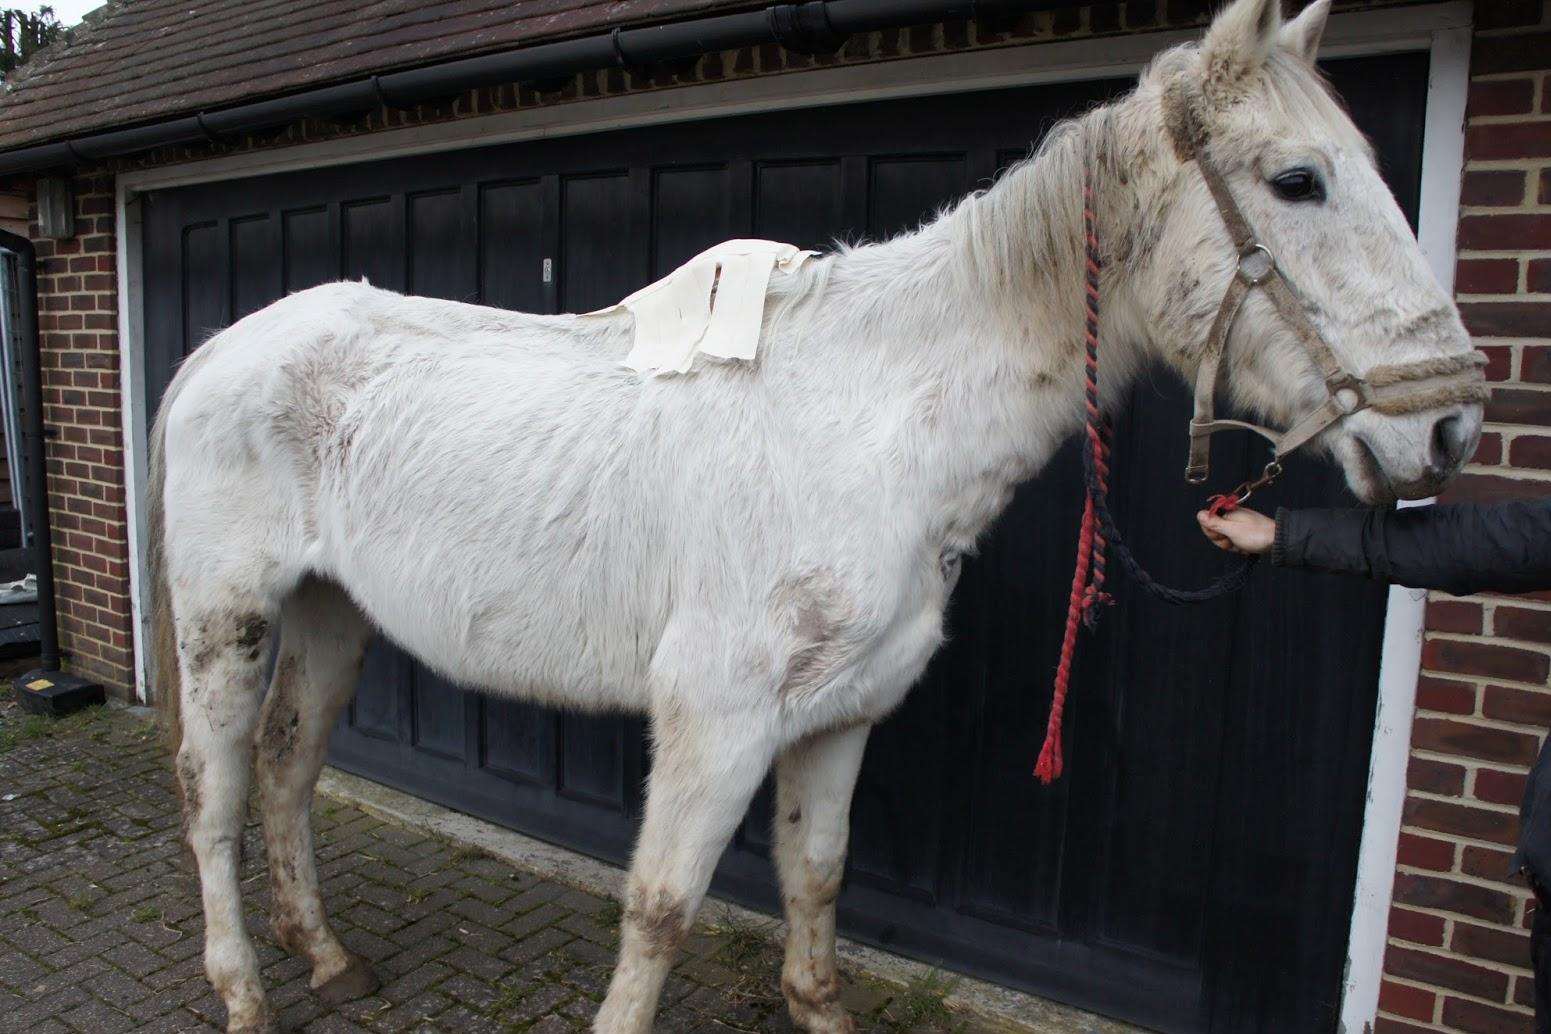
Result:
[[712, 305]]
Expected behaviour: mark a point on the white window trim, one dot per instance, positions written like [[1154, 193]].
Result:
[[1443, 29], [1443, 167]]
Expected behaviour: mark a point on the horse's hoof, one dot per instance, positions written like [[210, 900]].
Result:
[[819, 1015], [357, 980], [267, 1023], [834, 1020]]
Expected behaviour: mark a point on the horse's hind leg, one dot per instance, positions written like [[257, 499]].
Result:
[[223, 643], [323, 637]]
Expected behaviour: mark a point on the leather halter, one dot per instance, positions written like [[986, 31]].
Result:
[[1394, 389]]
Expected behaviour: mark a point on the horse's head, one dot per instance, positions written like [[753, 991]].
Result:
[[1248, 107]]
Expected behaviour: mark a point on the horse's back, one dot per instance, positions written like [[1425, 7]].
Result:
[[448, 464]]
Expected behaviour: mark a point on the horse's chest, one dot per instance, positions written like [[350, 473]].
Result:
[[902, 652]]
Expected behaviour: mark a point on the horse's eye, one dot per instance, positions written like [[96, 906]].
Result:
[[1299, 185]]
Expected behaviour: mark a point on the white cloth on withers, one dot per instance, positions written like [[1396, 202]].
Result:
[[712, 305]]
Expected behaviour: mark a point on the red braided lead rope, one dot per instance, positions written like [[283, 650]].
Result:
[[1089, 570]]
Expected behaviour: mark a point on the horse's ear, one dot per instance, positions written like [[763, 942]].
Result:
[[1302, 34], [1239, 41]]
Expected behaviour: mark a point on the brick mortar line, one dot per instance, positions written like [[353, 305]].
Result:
[[1504, 767], [1521, 894], [1483, 680], [1441, 990], [1517, 431], [1507, 810], [1505, 164], [1449, 933], [1412, 1022], [1503, 883], [1437, 635]]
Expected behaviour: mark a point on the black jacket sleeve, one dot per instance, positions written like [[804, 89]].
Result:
[[1457, 547], [1534, 853]]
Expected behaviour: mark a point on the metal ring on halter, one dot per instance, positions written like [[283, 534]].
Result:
[[1247, 272]]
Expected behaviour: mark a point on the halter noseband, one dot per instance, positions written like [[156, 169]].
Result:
[[1400, 388]]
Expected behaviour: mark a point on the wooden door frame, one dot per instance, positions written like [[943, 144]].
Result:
[[1443, 30]]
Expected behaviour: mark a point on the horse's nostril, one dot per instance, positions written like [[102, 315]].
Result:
[[1450, 440]]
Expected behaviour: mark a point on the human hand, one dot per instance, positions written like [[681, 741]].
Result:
[[1242, 531]]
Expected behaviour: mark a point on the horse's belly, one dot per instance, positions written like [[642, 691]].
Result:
[[508, 629]]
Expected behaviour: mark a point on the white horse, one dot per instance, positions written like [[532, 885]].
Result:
[[756, 555]]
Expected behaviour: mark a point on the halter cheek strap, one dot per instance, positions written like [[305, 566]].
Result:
[[1402, 388]]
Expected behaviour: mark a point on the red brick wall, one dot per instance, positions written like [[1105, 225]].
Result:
[[78, 327], [1458, 955]]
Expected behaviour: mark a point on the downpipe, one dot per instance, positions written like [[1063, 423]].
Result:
[[45, 690]]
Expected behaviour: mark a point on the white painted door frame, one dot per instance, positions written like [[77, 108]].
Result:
[[1442, 29]]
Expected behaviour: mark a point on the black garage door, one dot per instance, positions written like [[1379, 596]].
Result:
[[1193, 871]]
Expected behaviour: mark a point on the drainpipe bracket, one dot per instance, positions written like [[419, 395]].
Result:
[[805, 28]]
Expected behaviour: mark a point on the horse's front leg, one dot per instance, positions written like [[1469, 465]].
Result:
[[706, 765], [815, 779]]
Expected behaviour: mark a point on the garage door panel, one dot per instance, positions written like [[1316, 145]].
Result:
[[603, 248], [518, 741], [375, 710], [907, 190], [439, 709], [441, 245], [692, 209], [513, 244], [373, 241], [1159, 804], [204, 282], [900, 804], [256, 265], [592, 759], [1193, 869], [801, 203], [1017, 829], [310, 256]]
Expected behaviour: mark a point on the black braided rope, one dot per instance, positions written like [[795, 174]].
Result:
[[1231, 580]]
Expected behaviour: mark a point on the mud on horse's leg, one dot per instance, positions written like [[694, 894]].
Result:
[[323, 639], [704, 773], [221, 656]]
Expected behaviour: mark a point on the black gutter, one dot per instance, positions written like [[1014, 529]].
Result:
[[33, 436], [817, 26]]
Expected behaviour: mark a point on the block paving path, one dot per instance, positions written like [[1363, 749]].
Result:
[[101, 930]]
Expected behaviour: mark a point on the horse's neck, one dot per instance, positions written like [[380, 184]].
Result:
[[980, 320]]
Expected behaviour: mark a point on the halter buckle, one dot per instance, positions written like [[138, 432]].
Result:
[[1256, 264]]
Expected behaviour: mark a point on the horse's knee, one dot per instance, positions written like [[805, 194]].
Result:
[[659, 918], [822, 871]]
